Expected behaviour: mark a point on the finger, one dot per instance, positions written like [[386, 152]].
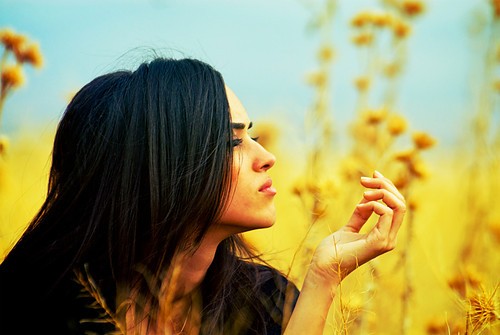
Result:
[[389, 184], [390, 199], [380, 234], [381, 183], [359, 217]]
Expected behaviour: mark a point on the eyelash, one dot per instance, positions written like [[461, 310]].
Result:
[[238, 141]]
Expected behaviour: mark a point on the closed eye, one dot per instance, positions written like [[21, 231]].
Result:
[[236, 141]]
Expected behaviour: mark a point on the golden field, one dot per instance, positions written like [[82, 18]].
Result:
[[443, 277]]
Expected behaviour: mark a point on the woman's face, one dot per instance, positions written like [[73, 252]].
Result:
[[251, 204]]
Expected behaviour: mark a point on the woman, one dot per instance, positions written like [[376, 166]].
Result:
[[154, 175]]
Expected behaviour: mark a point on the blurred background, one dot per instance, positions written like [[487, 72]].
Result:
[[336, 89]]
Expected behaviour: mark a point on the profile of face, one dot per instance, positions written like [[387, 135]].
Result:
[[251, 201]]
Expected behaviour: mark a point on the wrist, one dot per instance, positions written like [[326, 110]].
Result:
[[319, 280]]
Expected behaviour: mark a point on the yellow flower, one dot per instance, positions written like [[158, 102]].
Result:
[[482, 311], [494, 228], [30, 54], [401, 181], [326, 53], [4, 145], [317, 78], [496, 7], [419, 169], [405, 156], [11, 40], [375, 116], [362, 83], [423, 140], [392, 69], [363, 39], [396, 125], [401, 29], [361, 19], [382, 19], [496, 85], [12, 76], [412, 7]]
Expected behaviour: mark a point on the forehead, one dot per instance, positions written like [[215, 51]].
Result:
[[236, 109]]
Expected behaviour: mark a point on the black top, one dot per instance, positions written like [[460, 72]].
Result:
[[68, 311]]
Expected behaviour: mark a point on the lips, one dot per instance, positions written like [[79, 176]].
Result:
[[267, 187]]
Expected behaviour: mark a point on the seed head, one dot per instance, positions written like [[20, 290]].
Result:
[[412, 7], [419, 169], [396, 125], [375, 116], [483, 311], [30, 54], [496, 85], [495, 4], [363, 39], [12, 76], [362, 83], [405, 156], [11, 40], [382, 20], [317, 78], [392, 69], [362, 19], [423, 140], [326, 53], [4, 145], [401, 29], [494, 228]]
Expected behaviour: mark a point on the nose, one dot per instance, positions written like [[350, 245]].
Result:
[[264, 160]]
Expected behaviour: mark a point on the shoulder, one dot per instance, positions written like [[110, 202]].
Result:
[[277, 294]]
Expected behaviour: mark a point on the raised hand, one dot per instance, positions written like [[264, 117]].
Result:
[[343, 251]]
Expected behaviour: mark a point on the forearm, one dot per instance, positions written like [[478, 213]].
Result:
[[310, 312]]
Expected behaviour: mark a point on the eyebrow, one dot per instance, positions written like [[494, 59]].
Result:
[[237, 125]]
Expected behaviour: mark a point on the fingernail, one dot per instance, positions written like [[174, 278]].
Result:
[[365, 178], [378, 174]]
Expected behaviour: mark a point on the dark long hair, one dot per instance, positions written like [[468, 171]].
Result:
[[141, 168]]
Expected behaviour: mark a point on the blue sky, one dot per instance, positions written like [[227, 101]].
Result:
[[262, 48]]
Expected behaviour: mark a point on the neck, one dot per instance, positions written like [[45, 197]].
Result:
[[194, 266]]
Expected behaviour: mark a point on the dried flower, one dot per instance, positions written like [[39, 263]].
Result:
[[12, 76], [326, 53], [496, 85], [392, 69], [412, 7], [375, 116], [362, 83], [436, 327], [30, 54], [405, 156], [458, 284], [4, 145], [402, 180], [382, 20], [396, 125], [482, 311], [316, 78], [11, 40], [363, 39], [423, 140], [496, 7], [400, 28], [419, 169], [361, 19], [494, 228]]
